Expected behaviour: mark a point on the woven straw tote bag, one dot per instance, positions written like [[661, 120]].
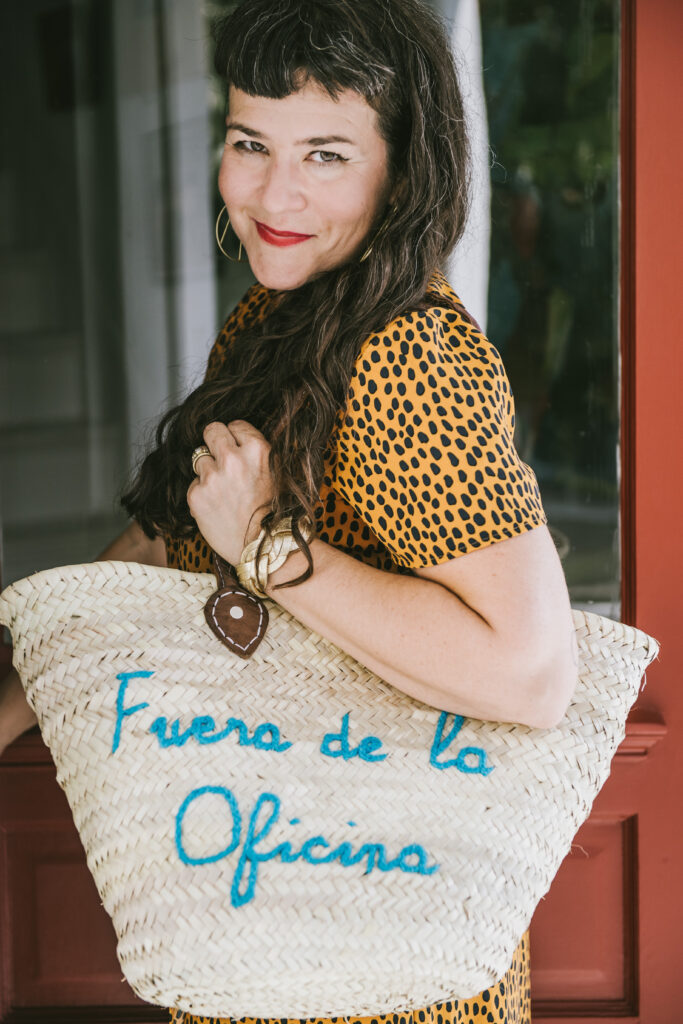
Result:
[[274, 830]]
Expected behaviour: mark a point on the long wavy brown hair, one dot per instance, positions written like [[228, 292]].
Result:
[[394, 53]]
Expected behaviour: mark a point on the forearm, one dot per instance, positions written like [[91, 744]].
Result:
[[133, 545], [411, 632]]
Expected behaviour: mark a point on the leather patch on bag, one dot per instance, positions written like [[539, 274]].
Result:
[[237, 617]]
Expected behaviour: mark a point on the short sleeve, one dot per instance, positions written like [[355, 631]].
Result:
[[425, 450]]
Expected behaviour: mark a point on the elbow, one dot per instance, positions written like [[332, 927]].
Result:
[[551, 714], [551, 694], [548, 673]]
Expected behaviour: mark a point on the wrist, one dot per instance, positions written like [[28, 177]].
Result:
[[294, 565], [259, 573]]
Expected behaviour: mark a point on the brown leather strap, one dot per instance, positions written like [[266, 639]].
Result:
[[237, 617]]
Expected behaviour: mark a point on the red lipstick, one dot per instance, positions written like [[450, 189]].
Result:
[[279, 237]]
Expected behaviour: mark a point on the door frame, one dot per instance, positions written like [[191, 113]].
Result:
[[652, 447]]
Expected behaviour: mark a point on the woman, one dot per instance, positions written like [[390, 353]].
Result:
[[350, 386]]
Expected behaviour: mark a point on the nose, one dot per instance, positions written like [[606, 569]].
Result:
[[282, 189]]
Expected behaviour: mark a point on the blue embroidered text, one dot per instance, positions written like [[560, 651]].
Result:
[[412, 858]]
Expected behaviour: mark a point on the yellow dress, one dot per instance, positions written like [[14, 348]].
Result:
[[420, 468]]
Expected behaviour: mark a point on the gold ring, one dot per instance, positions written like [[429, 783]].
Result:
[[199, 453]]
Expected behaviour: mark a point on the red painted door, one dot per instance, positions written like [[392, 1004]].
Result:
[[605, 939], [605, 943]]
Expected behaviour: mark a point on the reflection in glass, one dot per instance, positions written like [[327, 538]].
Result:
[[551, 82]]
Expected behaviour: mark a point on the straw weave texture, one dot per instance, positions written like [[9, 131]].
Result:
[[196, 836]]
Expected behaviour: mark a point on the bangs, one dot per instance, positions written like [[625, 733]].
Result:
[[270, 48]]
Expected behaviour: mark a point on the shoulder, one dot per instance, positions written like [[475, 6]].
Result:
[[443, 325], [434, 354], [425, 444]]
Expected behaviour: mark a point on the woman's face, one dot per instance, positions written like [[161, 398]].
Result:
[[306, 164]]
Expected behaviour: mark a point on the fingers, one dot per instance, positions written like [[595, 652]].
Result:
[[216, 436], [217, 442], [223, 442], [235, 432], [243, 429], [199, 453], [220, 437]]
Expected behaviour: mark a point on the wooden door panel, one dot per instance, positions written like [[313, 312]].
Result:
[[584, 940], [583, 937], [63, 942], [57, 941]]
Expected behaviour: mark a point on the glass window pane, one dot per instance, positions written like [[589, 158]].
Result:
[[551, 76]]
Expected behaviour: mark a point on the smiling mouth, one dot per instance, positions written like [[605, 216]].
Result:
[[280, 234]]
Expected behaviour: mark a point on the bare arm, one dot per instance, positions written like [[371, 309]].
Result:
[[488, 635], [134, 546], [130, 546]]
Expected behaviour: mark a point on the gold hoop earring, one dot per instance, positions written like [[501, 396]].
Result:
[[381, 231], [219, 238]]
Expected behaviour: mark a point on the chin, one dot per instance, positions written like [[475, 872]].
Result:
[[281, 279]]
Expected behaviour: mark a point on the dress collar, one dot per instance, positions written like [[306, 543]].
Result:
[[438, 285]]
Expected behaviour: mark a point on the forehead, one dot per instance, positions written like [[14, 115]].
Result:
[[308, 111]]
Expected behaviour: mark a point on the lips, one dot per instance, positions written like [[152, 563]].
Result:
[[279, 237], [282, 234]]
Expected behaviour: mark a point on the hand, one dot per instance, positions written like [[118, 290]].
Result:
[[234, 487]]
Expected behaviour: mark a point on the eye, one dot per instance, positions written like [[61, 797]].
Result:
[[336, 157], [245, 144], [327, 156]]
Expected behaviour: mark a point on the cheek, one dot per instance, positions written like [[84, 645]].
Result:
[[234, 181], [357, 204]]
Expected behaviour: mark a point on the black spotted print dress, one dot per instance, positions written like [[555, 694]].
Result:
[[420, 468]]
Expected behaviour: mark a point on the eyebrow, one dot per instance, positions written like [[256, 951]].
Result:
[[318, 140]]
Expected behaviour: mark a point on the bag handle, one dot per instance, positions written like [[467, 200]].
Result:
[[236, 616]]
